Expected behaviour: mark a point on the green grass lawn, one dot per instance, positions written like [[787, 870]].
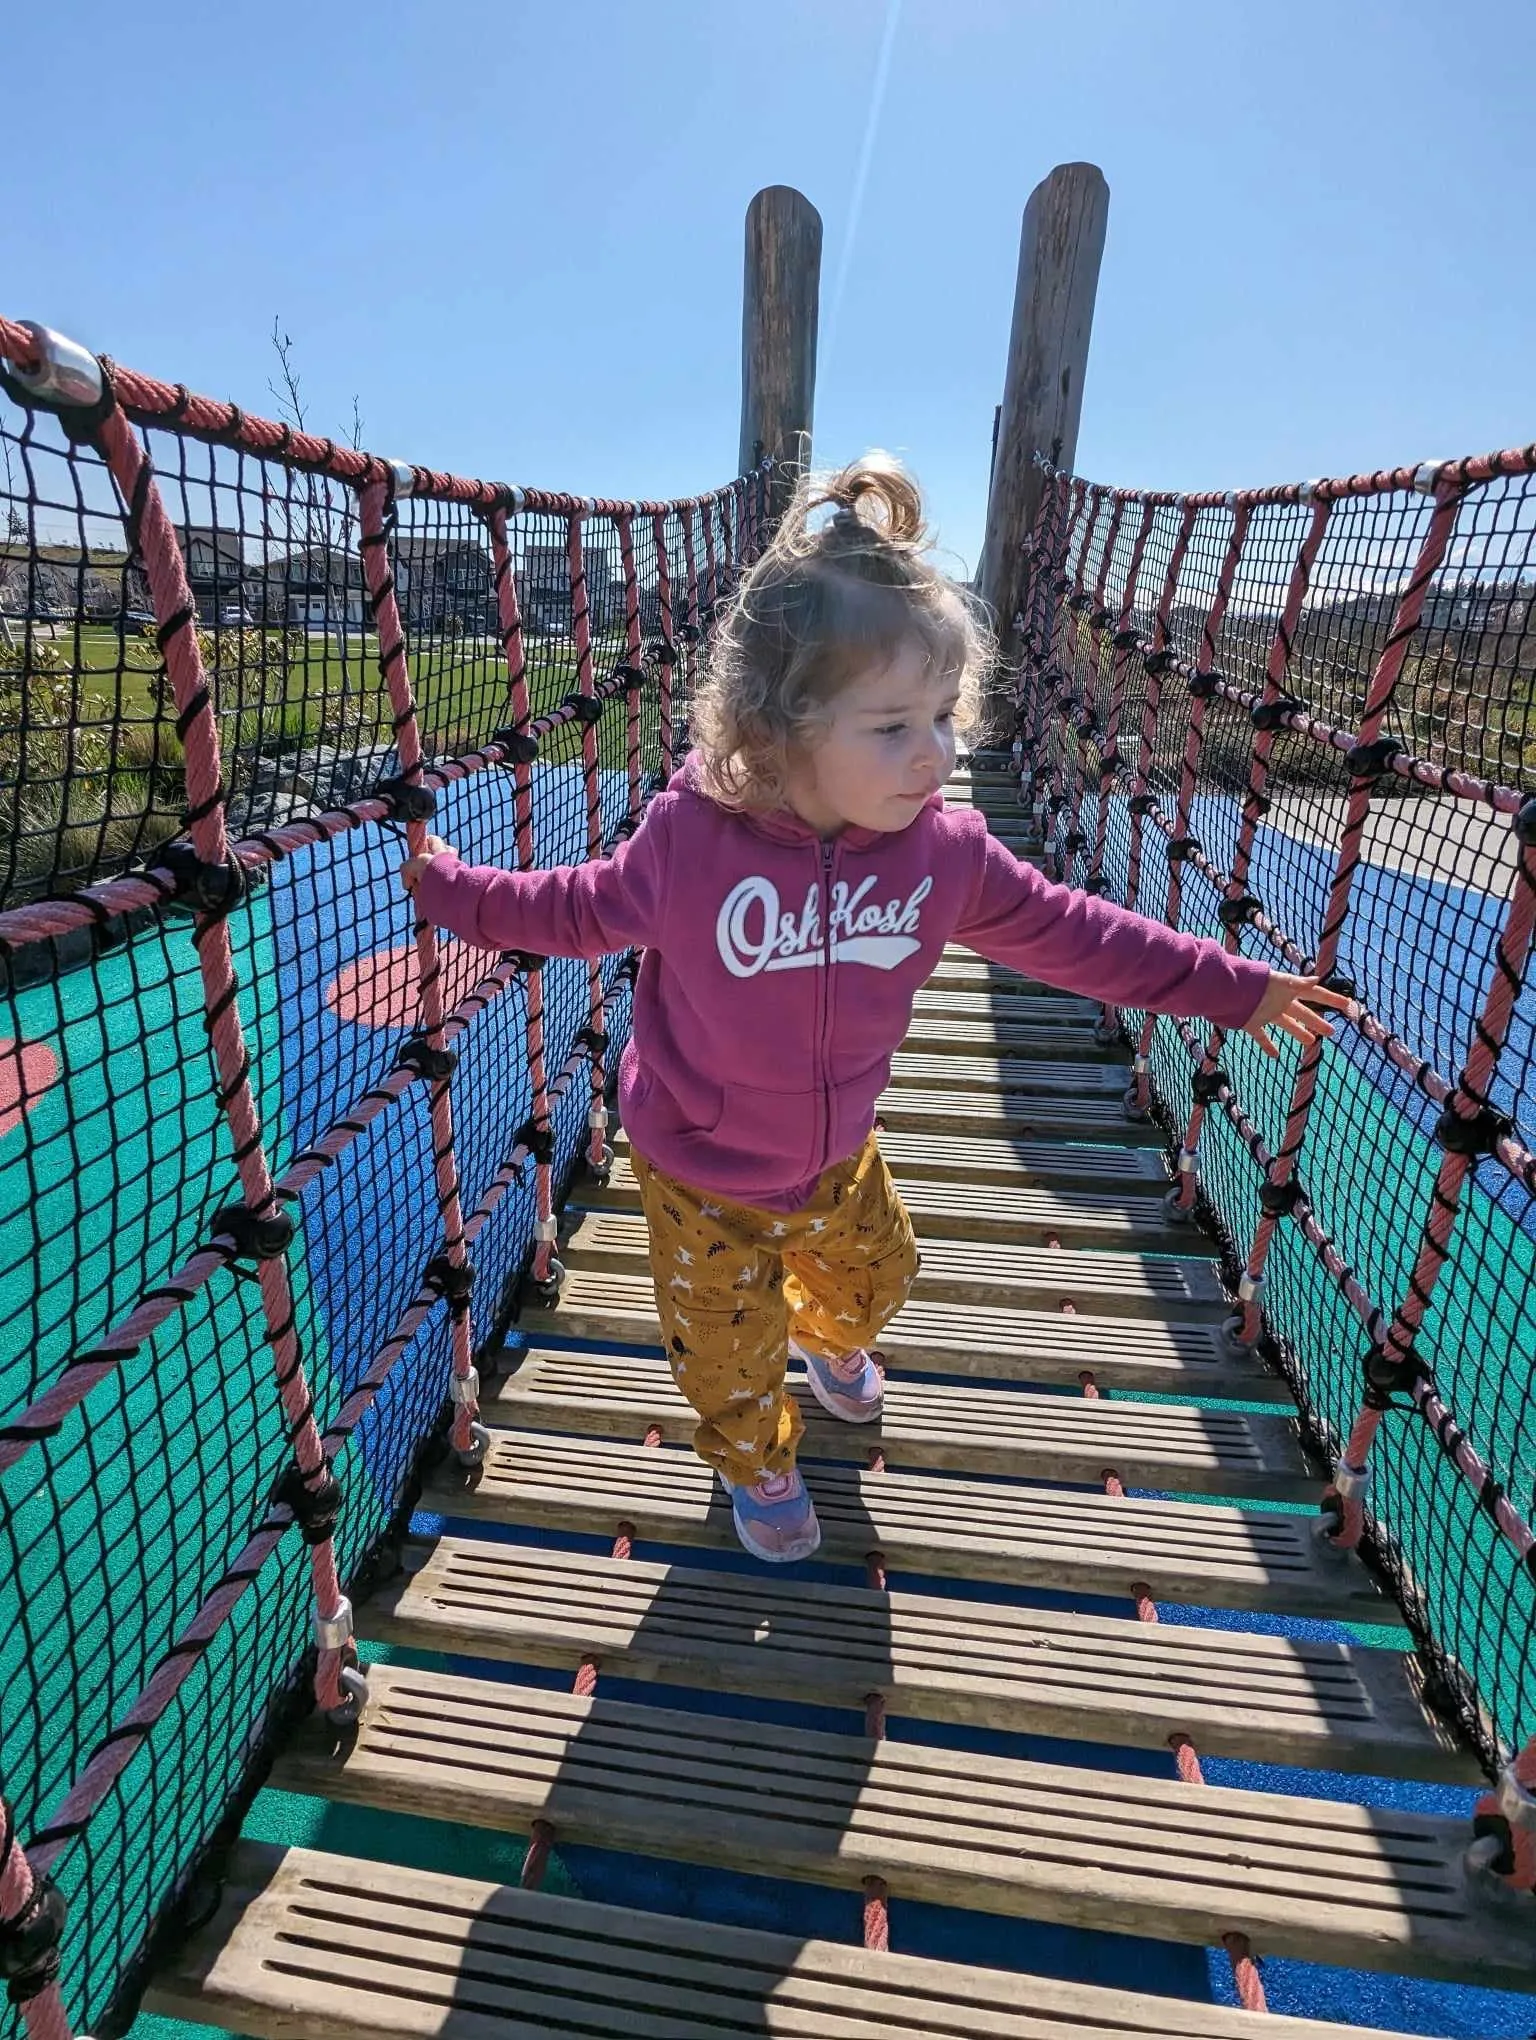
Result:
[[91, 769]]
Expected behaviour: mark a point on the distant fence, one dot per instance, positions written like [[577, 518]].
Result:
[[274, 1163], [1303, 720]]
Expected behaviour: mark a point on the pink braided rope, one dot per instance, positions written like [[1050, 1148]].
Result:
[[1083, 685], [377, 518], [581, 638], [1053, 678], [1489, 1034], [1480, 467], [711, 563], [1379, 695], [1118, 677], [147, 401], [1276, 669], [1069, 653], [157, 544], [510, 616], [43, 2015], [633, 656], [1151, 709], [664, 603], [691, 652], [1193, 744]]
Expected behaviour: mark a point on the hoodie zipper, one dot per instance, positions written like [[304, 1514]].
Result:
[[824, 1064]]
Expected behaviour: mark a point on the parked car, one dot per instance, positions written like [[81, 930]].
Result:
[[140, 620], [234, 616]]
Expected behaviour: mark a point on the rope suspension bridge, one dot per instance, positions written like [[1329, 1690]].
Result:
[[337, 1452]]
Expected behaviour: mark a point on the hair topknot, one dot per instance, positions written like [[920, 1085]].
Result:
[[829, 597], [895, 508]]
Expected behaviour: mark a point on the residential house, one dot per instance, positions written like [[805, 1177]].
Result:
[[544, 591], [444, 582], [216, 568], [312, 587]]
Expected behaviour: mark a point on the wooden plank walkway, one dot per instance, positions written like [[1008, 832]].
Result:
[[1026, 1212], [1048, 1255], [938, 1524], [991, 1342], [368, 1950], [967, 1430], [966, 1271], [1112, 1679], [1318, 1880]]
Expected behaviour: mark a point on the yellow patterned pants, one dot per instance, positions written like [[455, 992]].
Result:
[[734, 1284]]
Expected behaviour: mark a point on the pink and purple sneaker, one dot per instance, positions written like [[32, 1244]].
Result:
[[851, 1389], [775, 1518]]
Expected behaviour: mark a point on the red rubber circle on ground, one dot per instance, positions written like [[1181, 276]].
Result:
[[380, 990], [27, 1070]]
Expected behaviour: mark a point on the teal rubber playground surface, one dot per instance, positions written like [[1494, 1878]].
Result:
[[117, 1529]]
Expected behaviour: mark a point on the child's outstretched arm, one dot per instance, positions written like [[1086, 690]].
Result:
[[1083, 944], [574, 910]]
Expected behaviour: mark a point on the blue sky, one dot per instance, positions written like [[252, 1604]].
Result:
[[515, 231]]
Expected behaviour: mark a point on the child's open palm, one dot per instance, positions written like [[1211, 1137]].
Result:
[[1292, 1005]]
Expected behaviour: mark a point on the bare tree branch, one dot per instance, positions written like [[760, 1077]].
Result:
[[290, 403], [357, 425]]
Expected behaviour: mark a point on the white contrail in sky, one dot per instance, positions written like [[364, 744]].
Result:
[[861, 175]]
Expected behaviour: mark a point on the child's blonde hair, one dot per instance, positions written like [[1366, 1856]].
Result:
[[822, 604]]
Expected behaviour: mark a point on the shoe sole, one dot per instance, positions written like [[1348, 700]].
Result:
[[825, 1397], [772, 1557]]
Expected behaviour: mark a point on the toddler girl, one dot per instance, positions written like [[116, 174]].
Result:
[[791, 890]]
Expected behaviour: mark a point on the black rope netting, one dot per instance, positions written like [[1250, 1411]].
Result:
[[226, 1058], [1303, 721]]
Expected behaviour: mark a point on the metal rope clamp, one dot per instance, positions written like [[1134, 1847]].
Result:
[[68, 380], [1352, 1483], [1491, 1853], [334, 1632]]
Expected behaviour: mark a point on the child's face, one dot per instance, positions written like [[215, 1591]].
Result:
[[889, 748]]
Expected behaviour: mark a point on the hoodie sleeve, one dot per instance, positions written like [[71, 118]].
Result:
[[587, 910], [1069, 939]]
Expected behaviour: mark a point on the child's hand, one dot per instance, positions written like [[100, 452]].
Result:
[[411, 870], [1291, 1004]]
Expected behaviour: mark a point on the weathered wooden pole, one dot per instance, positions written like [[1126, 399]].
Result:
[[1060, 249], [780, 291]]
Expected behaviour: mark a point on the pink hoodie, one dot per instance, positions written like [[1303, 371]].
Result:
[[779, 970]]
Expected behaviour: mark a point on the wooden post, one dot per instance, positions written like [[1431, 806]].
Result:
[[778, 334], [1060, 249]]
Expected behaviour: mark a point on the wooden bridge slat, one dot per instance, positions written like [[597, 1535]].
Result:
[[1312, 1879], [963, 1035], [966, 1430], [1103, 1678], [977, 1160], [935, 1337], [309, 1946], [1013, 1212], [990, 1076], [928, 1523], [1041, 1278], [909, 1108]]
